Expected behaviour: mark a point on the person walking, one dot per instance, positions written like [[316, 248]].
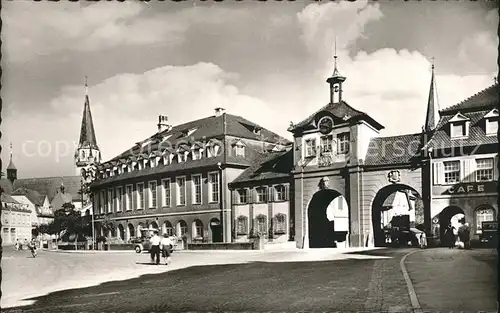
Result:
[[166, 247], [155, 248], [449, 236], [17, 244]]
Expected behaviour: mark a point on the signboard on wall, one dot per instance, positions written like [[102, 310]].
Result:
[[471, 188]]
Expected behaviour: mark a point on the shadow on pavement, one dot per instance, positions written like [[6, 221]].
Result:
[[254, 286], [390, 252]]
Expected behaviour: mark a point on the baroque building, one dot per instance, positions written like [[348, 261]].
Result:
[[177, 180]]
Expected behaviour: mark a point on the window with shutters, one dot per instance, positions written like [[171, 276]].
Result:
[[483, 215], [280, 224], [140, 196], [242, 225], [310, 148], [261, 194], [196, 179], [152, 194], [484, 169], [128, 197], [213, 187], [280, 193], [451, 172], [103, 206], [109, 202], [261, 222], [242, 196], [118, 199], [166, 192], [181, 191]]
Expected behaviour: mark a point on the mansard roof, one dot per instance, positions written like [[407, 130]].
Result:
[[341, 110], [205, 129], [400, 149], [487, 98], [477, 136], [273, 165]]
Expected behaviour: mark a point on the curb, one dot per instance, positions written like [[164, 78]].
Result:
[[89, 251], [411, 291]]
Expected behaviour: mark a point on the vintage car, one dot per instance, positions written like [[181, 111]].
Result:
[[489, 234], [141, 244]]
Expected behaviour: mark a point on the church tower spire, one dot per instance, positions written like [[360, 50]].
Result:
[[88, 152], [432, 116], [335, 81], [11, 168]]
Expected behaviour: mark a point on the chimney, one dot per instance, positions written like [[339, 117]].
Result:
[[219, 111], [163, 123]]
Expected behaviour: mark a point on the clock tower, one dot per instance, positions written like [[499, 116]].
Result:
[[335, 81]]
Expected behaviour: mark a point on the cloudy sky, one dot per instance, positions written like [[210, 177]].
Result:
[[262, 60]]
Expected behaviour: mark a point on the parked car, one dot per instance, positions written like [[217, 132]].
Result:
[[489, 235], [141, 244]]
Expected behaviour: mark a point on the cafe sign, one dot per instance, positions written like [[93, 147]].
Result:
[[471, 188]]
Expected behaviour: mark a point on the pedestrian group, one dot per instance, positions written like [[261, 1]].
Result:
[[160, 245]]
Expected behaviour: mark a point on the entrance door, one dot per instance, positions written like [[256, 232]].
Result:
[[216, 228]]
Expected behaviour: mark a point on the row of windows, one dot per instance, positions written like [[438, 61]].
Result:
[[260, 224], [262, 194], [459, 126], [479, 170], [166, 159], [328, 145], [125, 199]]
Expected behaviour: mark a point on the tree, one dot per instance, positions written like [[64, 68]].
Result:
[[69, 221]]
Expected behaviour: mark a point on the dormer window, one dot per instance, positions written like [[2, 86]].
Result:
[[459, 126], [213, 149], [491, 123], [181, 157], [196, 152], [256, 130], [239, 149]]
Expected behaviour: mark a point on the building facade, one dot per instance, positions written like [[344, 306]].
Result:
[[261, 203], [16, 221], [463, 164], [177, 180]]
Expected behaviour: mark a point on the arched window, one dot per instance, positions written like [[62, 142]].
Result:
[[198, 229], [483, 214], [241, 225], [169, 230], [182, 228], [131, 231], [280, 224], [261, 224], [121, 231]]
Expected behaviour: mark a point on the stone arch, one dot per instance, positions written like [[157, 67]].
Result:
[[446, 216], [216, 230], [154, 225], [320, 230], [130, 231], [139, 229], [383, 211], [198, 229], [167, 228], [121, 232]]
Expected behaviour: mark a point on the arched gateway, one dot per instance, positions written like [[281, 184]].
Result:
[[327, 216]]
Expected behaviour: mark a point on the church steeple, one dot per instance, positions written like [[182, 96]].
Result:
[[87, 152], [11, 168], [432, 116], [335, 81]]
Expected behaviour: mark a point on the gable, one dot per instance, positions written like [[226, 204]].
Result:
[[459, 117]]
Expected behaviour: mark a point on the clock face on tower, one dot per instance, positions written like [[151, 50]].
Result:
[[325, 125]]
